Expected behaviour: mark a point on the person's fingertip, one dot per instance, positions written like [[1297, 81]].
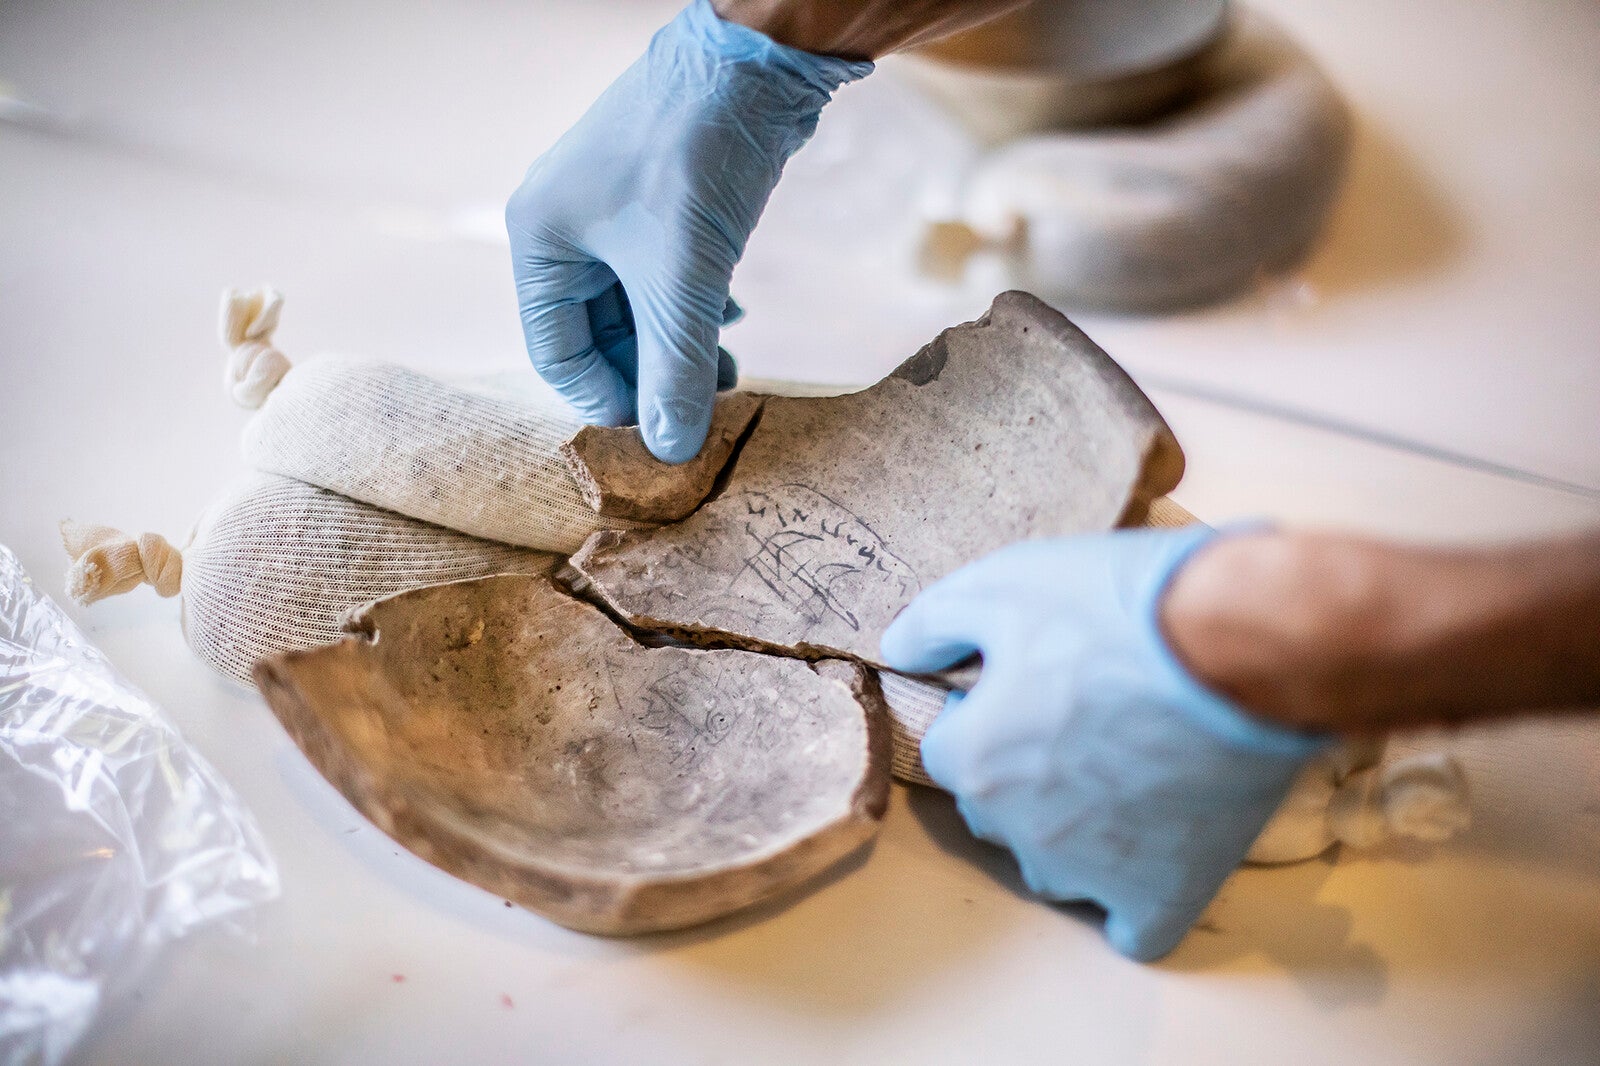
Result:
[[727, 370], [899, 643], [1131, 941], [925, 637], [943, 754], [674, 430], [610, 412], [592, 388], [601, 400]]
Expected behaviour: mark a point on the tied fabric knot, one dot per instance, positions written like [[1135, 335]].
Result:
[[254, 366], [1357, 797], [107, 562]]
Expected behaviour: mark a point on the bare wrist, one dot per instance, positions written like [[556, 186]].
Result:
[[1347, 634], [1280, 623]]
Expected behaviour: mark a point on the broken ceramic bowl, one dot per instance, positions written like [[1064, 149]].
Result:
[[519, 739], [513, 734], [838, 511]]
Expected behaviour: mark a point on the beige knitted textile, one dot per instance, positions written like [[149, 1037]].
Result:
[[481, 463], [274, 564]]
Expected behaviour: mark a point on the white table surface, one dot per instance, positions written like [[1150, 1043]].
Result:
[[355, 155]]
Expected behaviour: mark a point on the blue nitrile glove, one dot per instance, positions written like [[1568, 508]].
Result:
[[625, 234], [1085, 747]]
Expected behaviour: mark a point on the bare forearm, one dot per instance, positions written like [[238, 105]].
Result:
[[860, 29], [1352, 635]]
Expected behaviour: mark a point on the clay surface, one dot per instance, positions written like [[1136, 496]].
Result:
[[619, 477], [838, 511], [519, 739]]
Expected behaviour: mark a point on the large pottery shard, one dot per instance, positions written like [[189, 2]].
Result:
[[839, 510], [519, 739]]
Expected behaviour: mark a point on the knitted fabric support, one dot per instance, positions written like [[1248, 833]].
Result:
[[482, 463], [274, 565]]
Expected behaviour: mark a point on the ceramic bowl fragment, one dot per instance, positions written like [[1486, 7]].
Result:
[[839, 510], [516, 737]]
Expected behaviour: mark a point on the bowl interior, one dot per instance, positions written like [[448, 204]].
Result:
[[507, 712]]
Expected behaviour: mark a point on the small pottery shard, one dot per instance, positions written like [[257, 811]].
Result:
[[619, 477], [519, 739], [838, 511]]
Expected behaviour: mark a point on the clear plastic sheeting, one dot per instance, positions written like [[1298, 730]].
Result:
[[115, 837]]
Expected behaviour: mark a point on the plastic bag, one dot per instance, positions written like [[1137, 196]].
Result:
[[115, 837]]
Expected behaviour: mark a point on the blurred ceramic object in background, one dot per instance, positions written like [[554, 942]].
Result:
[[1064, 63], [1186, 208]]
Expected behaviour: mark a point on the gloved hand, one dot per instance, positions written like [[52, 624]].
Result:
[[1085, 747], [625, 234]]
